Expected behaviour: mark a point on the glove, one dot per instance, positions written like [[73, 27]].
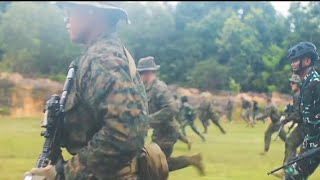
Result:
[[47, 173], [282, 118]]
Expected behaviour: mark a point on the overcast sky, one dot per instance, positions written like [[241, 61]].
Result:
[[280, 6]]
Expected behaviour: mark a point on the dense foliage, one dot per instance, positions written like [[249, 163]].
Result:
[[210, 45]]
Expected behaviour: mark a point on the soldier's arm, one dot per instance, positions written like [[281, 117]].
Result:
[[266, 114], [124, 123], [168, 107]]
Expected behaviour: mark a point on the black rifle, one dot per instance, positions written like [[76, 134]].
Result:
[[307, 154], [53, 122]]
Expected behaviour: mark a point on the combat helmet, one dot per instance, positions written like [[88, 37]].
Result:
[[303, 49], [147, 64]]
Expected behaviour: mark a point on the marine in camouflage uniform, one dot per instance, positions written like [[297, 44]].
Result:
[[188, 115], [162, 109], [246, 106], [272, 112], [206, 112], [229, 110], [255, 111], [295, 139], [303, 56], [106, 118]]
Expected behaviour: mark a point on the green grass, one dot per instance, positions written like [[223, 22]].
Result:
[[226, 157]]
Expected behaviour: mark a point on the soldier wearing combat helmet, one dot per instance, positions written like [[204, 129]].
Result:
[[303, 57], [106, 117]]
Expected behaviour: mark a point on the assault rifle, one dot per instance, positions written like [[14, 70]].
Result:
[[307, 154], [289, 109], [53, 124]]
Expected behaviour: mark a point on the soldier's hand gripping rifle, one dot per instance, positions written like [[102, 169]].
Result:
[[289, 109], [53, 124], [307, 154]]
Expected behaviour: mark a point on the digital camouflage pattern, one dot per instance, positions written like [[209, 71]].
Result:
[[106, 113], [309, 109], [165, 128], [162, 110]]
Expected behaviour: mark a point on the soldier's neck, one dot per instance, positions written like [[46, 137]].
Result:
[[305, 73], [97, 33]]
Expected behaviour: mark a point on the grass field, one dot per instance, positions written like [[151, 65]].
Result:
[[234, 156]]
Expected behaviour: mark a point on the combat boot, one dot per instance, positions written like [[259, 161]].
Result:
[[196, 160]]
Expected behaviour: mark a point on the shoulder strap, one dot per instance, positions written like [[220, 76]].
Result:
[[132, 64]]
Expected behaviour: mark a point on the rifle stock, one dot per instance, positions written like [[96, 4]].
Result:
[[53, 124]]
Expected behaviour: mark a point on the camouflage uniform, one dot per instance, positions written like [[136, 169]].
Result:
[[309, 109], [206, 112], [295, 139], [255, 111], [188, 115], [271, 111], [106, 113], [246, 106], [229, 110], [162, 109]]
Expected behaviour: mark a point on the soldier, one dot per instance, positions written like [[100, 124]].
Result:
[[272, 112], [295, 139], [229, 109], [106, 117], [246, 106], [189, 114], [255, 111], [303, 56], [206, 112], [162, 109]]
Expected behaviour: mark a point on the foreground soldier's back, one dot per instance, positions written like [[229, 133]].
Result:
[[106, 113]]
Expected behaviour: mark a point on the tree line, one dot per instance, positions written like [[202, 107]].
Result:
[[208, 45]]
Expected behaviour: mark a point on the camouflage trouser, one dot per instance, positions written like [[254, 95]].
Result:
[[193, 127], [301, 170], [292, 143], [166, 140], [273, 127], [215, 120]]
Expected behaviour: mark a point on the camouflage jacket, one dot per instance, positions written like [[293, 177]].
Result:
[[309, 105], [106, 119], [188, 113], [162, 111], [161, 104], [205, 108], [295, 115], [270, 111]]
